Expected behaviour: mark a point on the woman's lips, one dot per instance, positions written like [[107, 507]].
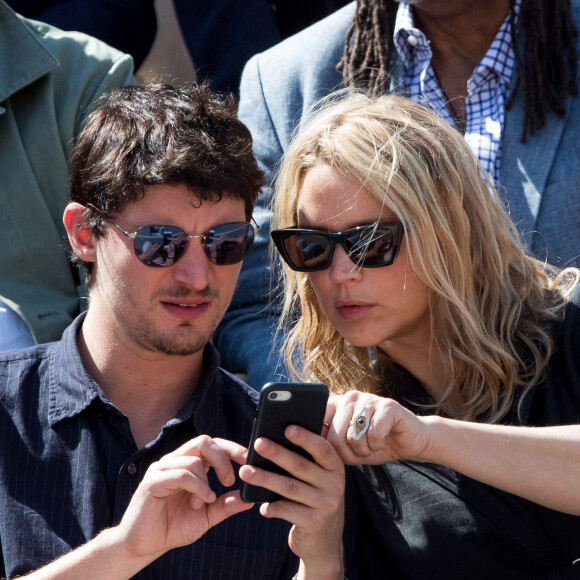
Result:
[[352, 310]]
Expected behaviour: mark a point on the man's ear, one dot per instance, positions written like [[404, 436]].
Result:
[[80, 236]]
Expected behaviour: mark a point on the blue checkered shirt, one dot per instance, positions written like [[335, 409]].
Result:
[[487, 88]]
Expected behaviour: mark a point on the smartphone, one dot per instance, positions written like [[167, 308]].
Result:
[[280, 405]]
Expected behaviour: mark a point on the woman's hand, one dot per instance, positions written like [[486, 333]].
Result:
[[392, 432], [313, 500]]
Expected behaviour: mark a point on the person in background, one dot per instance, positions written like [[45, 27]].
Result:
[[223, 35], [408, 288], [14, 333], [49, 80], [117, 442], [504, 73], [127, 25]]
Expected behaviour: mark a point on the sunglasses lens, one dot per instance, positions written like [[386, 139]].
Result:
[[371, 247], [159, 246], [308, 251], [367, 246], [229, 243]]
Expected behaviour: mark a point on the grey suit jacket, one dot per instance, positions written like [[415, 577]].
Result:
[[540, 181]]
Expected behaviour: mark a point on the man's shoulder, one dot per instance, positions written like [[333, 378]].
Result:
[[23, 358], [82, 67], [22, 371], [27, 355], [280, 85], [68, 45], [315, 49]]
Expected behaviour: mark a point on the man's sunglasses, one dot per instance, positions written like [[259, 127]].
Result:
[[161, 246], [371, 246]]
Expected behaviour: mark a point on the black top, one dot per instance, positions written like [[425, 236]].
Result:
[[420, 520], [69, 466]]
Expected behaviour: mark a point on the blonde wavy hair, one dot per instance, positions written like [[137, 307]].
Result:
[[492, 305]]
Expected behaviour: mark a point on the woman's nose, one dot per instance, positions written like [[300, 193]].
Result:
[[341, 267]]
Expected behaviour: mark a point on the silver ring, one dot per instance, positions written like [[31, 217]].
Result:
[[360, 423]]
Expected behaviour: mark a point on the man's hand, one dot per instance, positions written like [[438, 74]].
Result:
[[174, 505], [313, 500]]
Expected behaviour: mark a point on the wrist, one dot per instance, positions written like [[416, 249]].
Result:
[[330, 569], [104, 556], [121, 555], [437, 428]]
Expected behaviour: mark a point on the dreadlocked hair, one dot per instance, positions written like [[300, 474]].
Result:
[[365, 62], [546, 71]]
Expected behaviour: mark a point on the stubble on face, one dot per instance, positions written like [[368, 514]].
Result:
[[185, 339]]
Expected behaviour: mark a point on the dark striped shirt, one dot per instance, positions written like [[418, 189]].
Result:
[[69, 466]]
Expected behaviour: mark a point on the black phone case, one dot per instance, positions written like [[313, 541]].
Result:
[[306, 408]]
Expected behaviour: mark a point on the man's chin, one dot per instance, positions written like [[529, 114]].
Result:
[[176, 344]]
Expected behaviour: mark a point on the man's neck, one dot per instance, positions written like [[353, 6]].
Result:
[[460, 33], [461, 28], [148, 387]]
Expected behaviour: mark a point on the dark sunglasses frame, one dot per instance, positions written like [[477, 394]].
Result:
[[396, 230], [211, 242]]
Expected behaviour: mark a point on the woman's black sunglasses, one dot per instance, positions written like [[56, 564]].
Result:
[[371, 246], [161, 246]]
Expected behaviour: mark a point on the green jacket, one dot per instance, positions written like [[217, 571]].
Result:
[[48, 81]]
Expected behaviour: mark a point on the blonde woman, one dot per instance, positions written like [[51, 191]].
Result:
[[407, 282]]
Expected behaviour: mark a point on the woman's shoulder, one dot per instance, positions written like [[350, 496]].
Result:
[[557, 399], [568, 332]]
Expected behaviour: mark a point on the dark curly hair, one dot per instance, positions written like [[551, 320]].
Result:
[[160, 134]]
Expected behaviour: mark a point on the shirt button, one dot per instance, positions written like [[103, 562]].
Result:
[[131, 469], [412, 40]]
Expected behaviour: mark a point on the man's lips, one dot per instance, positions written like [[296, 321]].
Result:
[[186, 309]]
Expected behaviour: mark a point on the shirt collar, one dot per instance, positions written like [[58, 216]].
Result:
[[499, 57], [413, 46], [23, 56], [72, 389]]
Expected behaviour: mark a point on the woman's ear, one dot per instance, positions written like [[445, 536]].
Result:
[[80, 236]]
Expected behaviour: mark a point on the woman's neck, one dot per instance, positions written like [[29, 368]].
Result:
[[424, 364]]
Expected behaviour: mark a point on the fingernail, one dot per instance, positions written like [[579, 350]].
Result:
[[292, 431], [211, 496]]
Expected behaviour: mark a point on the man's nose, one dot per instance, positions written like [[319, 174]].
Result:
[[194, 267]]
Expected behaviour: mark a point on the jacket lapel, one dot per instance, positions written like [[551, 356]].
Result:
[[525, 168]]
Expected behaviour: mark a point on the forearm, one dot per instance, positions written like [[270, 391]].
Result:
[[104, 556], [540, 464]]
